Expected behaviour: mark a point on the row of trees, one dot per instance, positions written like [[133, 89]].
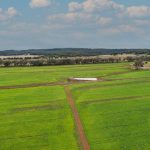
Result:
[[46, 61]]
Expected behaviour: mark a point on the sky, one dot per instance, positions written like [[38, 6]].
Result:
[[31, 24]]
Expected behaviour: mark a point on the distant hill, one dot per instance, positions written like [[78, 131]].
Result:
[[74, 52]]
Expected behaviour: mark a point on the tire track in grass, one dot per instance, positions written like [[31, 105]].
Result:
[[33, 85], [83, 140], [129, 98]]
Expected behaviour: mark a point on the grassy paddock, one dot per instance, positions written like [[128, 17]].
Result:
[[26, 75], [36, 118], [115, 113]]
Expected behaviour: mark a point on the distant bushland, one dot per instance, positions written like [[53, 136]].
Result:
[[74, 52]]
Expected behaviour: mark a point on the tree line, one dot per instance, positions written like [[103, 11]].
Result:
[[49, 61], [65, 52]]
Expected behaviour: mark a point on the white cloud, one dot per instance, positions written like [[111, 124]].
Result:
[[74, 6], [89, 20], [90, 15], [39, 3], [104, 21], [142, 22], [121, 29], [95, 5], [128, 28], [138, 11], [7, 14], [70, 17], [92, 6], [11, 12]]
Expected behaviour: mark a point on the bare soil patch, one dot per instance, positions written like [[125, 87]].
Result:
[[146, 68]]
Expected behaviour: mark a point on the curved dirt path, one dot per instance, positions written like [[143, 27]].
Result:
[[83, 140]]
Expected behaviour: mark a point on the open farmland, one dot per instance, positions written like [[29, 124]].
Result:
[[116, 113], [41, 110], [28, 75], [36, 118]]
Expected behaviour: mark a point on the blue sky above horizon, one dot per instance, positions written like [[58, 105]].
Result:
[[28, 24]]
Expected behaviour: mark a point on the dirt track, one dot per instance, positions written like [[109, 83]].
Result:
[[83, 140]]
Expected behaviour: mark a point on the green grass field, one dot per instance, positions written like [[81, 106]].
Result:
[[36, 118], [115, 113], [26, 75]]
